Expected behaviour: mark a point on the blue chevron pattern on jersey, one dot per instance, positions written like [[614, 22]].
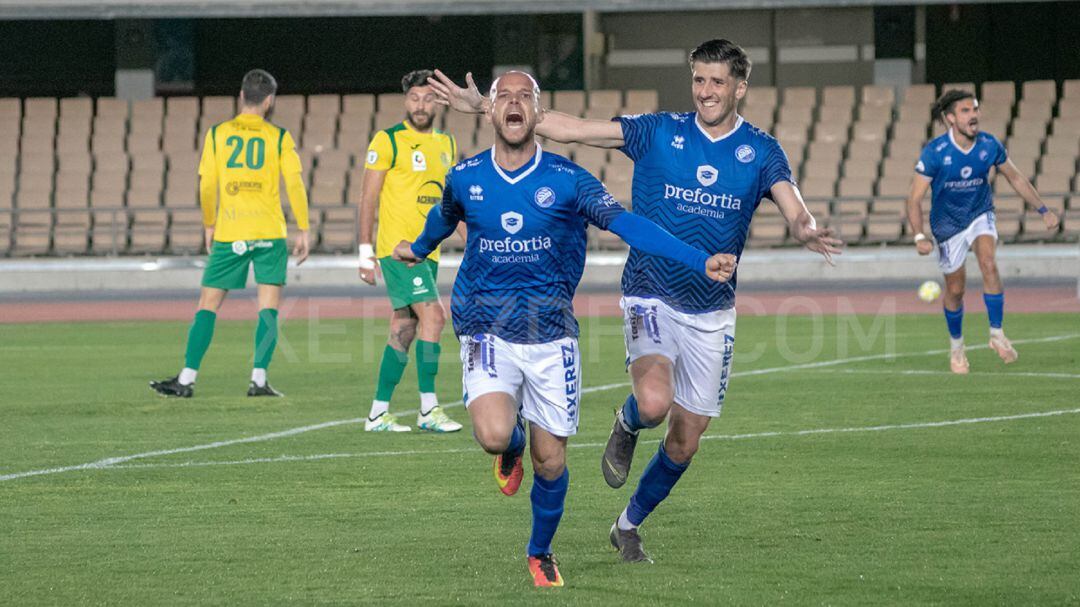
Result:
[[525, 250], [959, 181], [702, 190]]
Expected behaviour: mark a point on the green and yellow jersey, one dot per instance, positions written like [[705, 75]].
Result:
[[416, 164], [243, 163]]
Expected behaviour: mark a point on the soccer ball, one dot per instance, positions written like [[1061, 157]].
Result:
[[929, 291]]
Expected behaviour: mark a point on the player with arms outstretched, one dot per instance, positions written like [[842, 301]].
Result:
[[700, 175], [403, 177], [956, 166], [243, 161], [512, 305]]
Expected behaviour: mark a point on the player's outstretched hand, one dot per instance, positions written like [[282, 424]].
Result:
[[1051, 220], [403, 252], [447, 92], [924, 246], [823, 242], [721, 266], [303, 247]]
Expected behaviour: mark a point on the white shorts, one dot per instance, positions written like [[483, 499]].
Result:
[[544, 378], [953, 252], [700, 346]]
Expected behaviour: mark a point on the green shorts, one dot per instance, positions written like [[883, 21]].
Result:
[[406, 285], [229, 262]]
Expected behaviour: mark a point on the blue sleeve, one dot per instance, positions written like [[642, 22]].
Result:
[[440, 224], [1000, 155], [638, 134], [594, 203], [927, 165], [774, 169], [647, 237]]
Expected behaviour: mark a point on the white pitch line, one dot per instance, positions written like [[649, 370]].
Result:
[[721, 437], [112, 461], [1003, 374]]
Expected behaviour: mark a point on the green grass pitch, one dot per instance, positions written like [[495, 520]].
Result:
[[882, 507]]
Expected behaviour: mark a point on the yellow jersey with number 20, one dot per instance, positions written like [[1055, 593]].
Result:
[[243, 161]]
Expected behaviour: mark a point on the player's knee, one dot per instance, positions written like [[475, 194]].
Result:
[[988, 267], [681, 449], [653, 405], [549, 466], [492, 440], [402, 332], [954, 290]]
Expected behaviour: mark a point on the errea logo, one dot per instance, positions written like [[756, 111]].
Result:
[[476, 193], [678, 141]]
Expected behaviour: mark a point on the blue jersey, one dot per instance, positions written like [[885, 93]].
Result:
[[702, 190], [525, 250], [959, 181]]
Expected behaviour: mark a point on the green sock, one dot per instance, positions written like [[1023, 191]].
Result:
[[427, 364], [390, 371], [265, 337], [198, 339]]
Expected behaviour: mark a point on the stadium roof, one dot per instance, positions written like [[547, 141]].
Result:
[[110, 9]]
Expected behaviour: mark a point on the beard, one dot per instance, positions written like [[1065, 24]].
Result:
[[420, 120]]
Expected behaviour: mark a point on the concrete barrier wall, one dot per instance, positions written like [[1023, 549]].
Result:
[[603, 270]]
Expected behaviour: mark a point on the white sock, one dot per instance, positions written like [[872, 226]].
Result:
[[428, 401], [259, 377], [956, 343], [996, 332], [624, 522], [378, 407], [187, 376]]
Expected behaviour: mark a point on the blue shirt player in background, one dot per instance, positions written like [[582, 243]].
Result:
[[512, 305], [700, 175], [956, 167]]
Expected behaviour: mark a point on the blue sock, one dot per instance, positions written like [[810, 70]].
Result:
[[631, 417], [995, 308], [656, 482], [517, 439], [955, 320], [547, 499]]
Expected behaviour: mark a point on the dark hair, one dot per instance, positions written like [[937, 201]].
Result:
[[720, 50], [945, 103], [257, 86], [415, 78]]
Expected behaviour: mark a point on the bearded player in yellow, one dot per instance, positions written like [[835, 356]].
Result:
[[243, 161], [404, 173]]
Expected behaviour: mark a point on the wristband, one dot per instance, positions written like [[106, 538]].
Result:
[[920, 237], [1043, 210], [366, 254]]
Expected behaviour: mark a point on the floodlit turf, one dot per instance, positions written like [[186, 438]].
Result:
[[976, 514]]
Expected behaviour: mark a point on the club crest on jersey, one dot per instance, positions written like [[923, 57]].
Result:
[[544, 197], [677, 142], [372, 157], [476, 193], [512, 222], [445, 158], [419, 162], [745, 154], [965, 172], [983, 154], [706, 175]]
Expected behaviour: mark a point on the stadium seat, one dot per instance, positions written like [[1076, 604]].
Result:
[[851, 208], [895, 185], [641, 101], [1040, 89], [605, 98], [391, 102], [856, 187], [882, 228], [1008, 226], [848, 228], [768, 231], [861, 166], [817, 187]]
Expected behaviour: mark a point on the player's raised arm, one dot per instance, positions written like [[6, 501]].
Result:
[[292, 171], [560, 127], [919, 185], [1023, 187]]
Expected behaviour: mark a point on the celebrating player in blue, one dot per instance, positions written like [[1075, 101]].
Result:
[[512, 305], [957, 167], [700, 175]]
